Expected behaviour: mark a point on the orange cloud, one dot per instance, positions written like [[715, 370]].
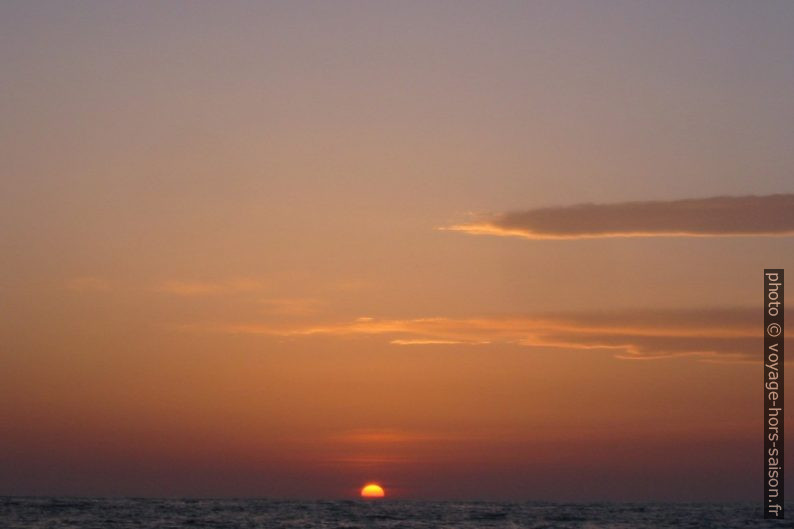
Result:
[[387, 436], [638, 334], [291, 306], [88, 284], [198, 288], [428, 341], [771, 215]]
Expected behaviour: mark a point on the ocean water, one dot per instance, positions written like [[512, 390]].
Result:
[[87, 513]]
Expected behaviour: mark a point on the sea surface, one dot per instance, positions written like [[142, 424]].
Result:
[[103, 513]]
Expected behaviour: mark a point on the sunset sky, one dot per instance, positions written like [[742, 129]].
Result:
[[493, 250]]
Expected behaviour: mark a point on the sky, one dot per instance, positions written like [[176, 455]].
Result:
[[491, 250]]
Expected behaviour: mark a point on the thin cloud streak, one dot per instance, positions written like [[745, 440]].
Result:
[[771, 215], [89, 284], [201, 288], [430, 341], [724, 334], [291, 306], [391, 436]]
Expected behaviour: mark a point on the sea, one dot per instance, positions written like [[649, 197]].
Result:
[[107, 513]]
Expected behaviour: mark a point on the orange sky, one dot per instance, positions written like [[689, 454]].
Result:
[[248, 250]]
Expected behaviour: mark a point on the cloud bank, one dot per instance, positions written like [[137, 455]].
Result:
[[718, 334], [771, 215]]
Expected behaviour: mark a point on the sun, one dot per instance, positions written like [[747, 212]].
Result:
[[372, 490]]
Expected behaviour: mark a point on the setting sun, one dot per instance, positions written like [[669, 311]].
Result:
[[372, 490]]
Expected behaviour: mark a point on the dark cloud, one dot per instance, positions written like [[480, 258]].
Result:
[[699, 217]]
